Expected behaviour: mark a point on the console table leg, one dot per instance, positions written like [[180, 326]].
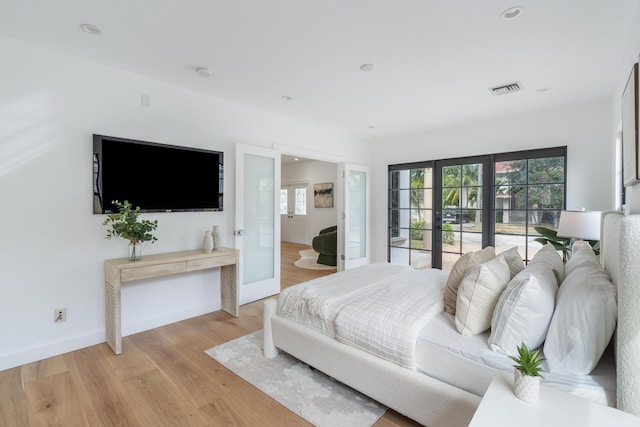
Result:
[[113, 331], [229, 289]]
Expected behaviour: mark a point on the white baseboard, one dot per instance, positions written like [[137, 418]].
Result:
[[48, 349], [162, 319]]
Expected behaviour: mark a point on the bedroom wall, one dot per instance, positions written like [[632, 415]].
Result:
[[315, 172], [53, 247], [585, 129], [631, 55]]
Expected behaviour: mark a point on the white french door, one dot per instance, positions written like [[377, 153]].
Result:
[[257, 232], [294, 213], [354, 241]]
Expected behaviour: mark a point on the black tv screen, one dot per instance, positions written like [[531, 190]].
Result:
[[156, 177]]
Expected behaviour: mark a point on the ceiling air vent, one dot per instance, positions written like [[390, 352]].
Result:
[[504, 89]]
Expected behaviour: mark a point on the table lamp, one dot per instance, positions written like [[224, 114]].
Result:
[[579, 225]]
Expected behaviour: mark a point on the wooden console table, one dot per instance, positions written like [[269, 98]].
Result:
[[120, 270]]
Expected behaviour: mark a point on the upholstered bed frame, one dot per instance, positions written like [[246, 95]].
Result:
[[435, 403]]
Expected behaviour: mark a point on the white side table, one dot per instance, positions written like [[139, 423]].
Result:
[[500, 407]]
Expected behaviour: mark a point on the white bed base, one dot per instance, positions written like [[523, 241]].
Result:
[[411, 393], [434, 403]]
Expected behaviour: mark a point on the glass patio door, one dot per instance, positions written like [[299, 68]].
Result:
[[462, 209], [411, 215]]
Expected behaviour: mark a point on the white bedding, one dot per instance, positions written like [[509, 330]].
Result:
[[316, 303], [469, 363], [337, 306], [385, 319]]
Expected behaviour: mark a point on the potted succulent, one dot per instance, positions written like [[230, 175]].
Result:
[[125, 224], [527, 373]]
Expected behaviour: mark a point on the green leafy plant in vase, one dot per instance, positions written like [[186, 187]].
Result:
[[126, 224], [527, 373]]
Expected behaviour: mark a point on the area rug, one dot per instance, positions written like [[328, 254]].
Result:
[[309, 393], [308, 258]]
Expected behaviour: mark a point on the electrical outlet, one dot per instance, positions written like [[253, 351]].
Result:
[[59, 315]]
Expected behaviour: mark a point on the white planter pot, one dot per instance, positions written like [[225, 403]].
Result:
[[525, 387]]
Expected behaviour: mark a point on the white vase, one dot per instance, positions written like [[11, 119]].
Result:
[[526, 387], [216, 238], [207, 242]]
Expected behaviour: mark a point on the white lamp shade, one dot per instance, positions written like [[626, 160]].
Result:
[[580, 225]]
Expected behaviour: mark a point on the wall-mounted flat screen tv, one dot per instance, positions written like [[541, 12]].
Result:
[[156, 177]]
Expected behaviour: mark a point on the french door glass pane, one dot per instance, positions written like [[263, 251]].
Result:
[[546, 170], [259, 234], [283, 201], [301, 201], [357, 217]]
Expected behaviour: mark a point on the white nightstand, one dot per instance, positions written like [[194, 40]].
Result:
[[500, 407]]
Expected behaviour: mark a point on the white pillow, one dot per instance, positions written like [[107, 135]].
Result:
[[549, 256], [581, 254], [513, 259], [478, 294], [583, 322], [524, 310], [460, 268]]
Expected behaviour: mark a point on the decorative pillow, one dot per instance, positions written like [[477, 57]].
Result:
[[583, 322], [478, 294], [581, 254], [549, 256], [460, 268], [524, 310], [514, 260]]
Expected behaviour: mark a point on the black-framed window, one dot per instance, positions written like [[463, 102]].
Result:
[[515, 193]]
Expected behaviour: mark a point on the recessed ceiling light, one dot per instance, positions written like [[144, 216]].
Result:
[[296, 159], [367, 67], [90, 29], [542, 89], [204, 72], [286, 98], [512, 13]]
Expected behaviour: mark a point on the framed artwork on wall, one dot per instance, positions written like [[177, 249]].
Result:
[[323, 195], [630, 119]]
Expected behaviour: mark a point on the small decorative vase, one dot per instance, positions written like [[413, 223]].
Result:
[[215, 237], [526, 387], [207, 241], [135, 252]]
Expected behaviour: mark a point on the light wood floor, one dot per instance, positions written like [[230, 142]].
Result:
[[162, 378]]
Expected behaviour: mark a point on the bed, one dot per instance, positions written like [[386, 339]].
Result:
[[432, 382]]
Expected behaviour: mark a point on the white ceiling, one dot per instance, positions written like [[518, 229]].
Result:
[[434, 59]]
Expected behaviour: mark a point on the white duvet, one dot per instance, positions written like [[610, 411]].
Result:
[[379, 308]]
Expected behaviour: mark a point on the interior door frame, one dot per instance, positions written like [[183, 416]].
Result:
[[320, 157], [292, 215]]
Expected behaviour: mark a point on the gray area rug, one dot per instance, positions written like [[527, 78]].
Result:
[[309, 393]]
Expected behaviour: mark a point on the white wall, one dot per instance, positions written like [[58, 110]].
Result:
[[52, 246], [315, 172], [584, 129], [631, 55]]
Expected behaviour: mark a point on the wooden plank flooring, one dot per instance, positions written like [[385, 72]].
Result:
[[162, 378]]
